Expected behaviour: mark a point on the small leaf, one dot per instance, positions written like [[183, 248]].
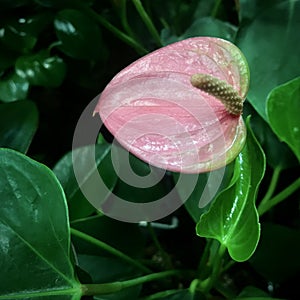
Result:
[[79, 206], [80, 36], [13, 88], [233, 218], [34, 232], [41, 69], [16, 39], [18, 124], [283, 112]]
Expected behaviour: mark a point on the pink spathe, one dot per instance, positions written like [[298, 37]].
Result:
[[154, 112]]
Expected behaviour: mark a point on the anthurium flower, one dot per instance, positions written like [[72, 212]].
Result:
[[179, 107]]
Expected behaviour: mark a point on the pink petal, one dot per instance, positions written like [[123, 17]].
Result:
[[154, 112]]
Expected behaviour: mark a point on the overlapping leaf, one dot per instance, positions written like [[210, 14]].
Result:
[[233, 218]]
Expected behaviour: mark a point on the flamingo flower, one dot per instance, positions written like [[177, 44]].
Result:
[[179, 108]]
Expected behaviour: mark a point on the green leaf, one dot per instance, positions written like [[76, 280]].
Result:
[[80, 36], [41, 69], [107, 269], [278, 154], [282, 262], [115, 233], [206, 189], [155, 189], [211, 27], [13, 88], [18, 124], [34, 232], [16, 38], [233, 219], [79, 207], [270, 45], [283, 112]]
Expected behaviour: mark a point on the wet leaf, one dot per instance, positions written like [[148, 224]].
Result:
[[232, 218]]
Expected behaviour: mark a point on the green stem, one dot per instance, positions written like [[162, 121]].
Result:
[[215, 9], [148, 22], [124, 20], [106, 288], [109, 249], [202, 268], [207, 284], [160, 295], [280, 197], [163, 253], [272, 186], [120, 34]]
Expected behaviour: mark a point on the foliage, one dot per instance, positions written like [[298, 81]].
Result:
[[55, 56]]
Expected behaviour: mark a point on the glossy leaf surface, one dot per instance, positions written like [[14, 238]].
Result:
[[233, 218], [41, 69], [79, 206], [283, 109], [34, 232], [18, 124], [13, 88], [80, 36], [270, 45], [154, 112]]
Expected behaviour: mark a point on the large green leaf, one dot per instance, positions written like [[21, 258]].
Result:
[[18, 124], [282, 262], [41, 69], [80, 36], [271, 46], [13, 88], [283, 109], [233, 218], [79, 206], [278, 154], [34, 232]]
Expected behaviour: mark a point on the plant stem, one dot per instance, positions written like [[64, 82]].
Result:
[[120, 34], [123, 17], [272, 186], [106, 288], [148, 22], [202, 268], [109, 249], [279, 198], [163, 253], [216, 8], [207, 284]]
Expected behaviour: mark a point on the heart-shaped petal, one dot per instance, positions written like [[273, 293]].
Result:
[[155, 112]]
